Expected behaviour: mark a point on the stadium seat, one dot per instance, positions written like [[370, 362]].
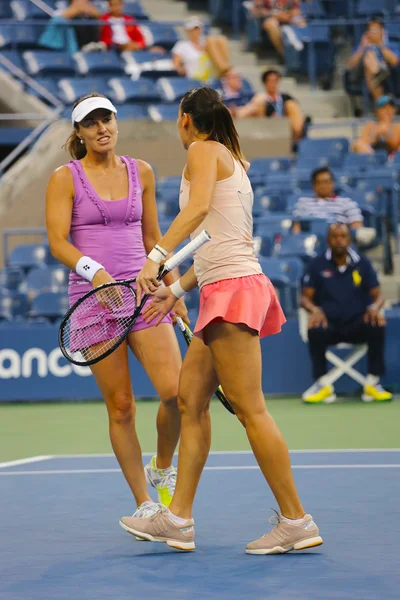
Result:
[[101, 63], [192, 299], [5, 10], [163, 112], [148, 64], [50, 85], [5, 305], [269, 199], [24, 9], [309, 163], [28, 255], [124, 89], [356, 163], [131, 112], [318, 54], [269, 165], [51, 279], [159, 34], [333, 149], [285, 276], [13, 56], [73, 88], [172, 89], [46, 62], [136, 10], [313, 9], [51, 305], [10, 278], [370, 8], [302, 245], [20, 36]]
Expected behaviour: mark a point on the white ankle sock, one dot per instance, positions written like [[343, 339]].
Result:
[[292, 521], [371, 379], [177, 520]]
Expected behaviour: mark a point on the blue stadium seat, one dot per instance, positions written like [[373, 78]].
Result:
[[285, 274], [46, 62], [73, 88], [173, 89], [302, 245], [370, 8], [313, 9], [149, 64], [13, 305], [13, 56], [159, 34], [51, 305], [19, 36], [28, 255], [269, 199], [393, 31], [49, 84], [396, 160], [333, 149], [47, 279], [99, 63], [142, 91], [132, 112], [24, 9], [356, 163], [5, 10], [163, 112], [5, 305], [10, 278], [309, 163], [270, 165], [136, 10], [321, 62], [192, 299], [168, 206]]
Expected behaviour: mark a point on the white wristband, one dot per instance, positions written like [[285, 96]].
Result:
[[177, 290], [156, 255], [87, 268]]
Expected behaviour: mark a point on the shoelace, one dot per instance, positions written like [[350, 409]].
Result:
[[275, 521], [169, 481], [146, 510]]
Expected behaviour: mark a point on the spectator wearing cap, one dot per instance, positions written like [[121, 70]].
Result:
[[274, 104], [274, 14], [382, 134], [327, 205], [201, 57], [342, 294], [373, 60]]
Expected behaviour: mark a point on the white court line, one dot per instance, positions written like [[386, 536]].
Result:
[[244, 452], [24, 461], [231, 468]]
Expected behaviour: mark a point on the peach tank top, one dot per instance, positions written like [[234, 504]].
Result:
[[230, 253]]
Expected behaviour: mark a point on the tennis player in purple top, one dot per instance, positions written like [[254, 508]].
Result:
[[102, 222]]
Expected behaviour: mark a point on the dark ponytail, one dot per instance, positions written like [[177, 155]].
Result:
[[73, 145], [211, 118]]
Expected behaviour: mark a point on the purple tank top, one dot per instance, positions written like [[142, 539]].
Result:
[[107, 231]]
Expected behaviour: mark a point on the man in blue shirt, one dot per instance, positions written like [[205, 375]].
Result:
[[342, 294]]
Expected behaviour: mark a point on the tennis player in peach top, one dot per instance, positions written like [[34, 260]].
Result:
[[238, 306]]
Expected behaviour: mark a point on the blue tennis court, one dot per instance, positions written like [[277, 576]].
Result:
[[61, 539]]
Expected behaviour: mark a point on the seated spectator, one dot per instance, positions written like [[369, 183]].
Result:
[[381, 134], [342, 294], [231, 89], [273, 103], [327, 205], [201, 57], [373, 60], [58, 36], [121, 30], [276, 13]]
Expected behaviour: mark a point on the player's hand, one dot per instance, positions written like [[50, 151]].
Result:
[[181, 311], [146, 281], [374, 318], [163, 302], [108, 298], [318, 319]]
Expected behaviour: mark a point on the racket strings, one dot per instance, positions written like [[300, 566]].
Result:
[[99, 322]]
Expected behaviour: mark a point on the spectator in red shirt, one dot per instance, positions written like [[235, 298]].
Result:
[[276, 13], [121, 30]]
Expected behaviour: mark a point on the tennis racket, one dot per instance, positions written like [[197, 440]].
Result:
[[188, 335], [101, 320]]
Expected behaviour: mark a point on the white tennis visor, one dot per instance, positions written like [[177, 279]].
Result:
[[89, 105]]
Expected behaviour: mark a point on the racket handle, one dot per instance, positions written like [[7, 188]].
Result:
[[187, 250], [180, 324]]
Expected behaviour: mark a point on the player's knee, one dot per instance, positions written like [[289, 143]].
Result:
[[169, 396], [121, 408], [188, 405], [247, 412]]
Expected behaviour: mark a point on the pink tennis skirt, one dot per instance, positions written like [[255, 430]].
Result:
[[250, 300]]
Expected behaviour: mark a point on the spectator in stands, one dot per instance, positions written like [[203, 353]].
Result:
[[327, 205], [58, 36], [121, 30], [273, 103], [201, 57], [342, 294], [382, 134], [276, 13], [373, 60], [231, 89]]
